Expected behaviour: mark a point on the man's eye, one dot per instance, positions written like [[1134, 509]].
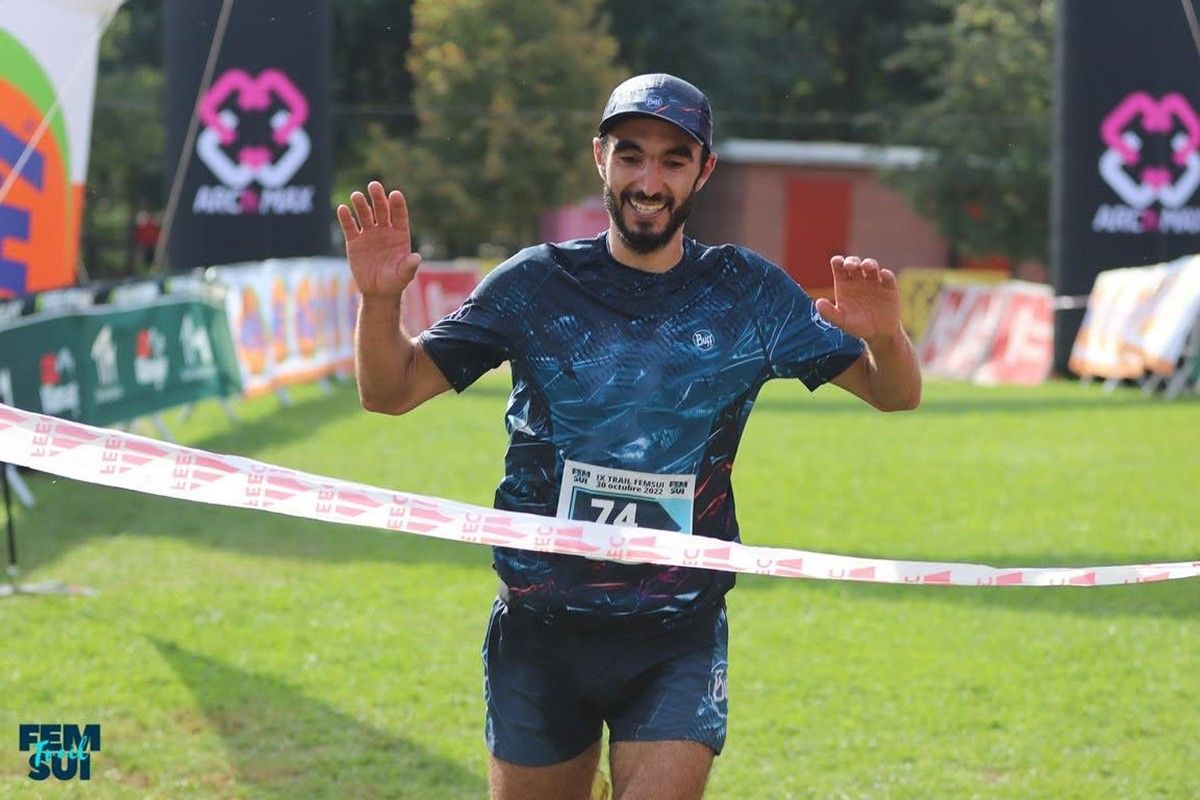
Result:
[[628, 160]]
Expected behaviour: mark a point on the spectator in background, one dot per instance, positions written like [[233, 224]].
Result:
[[146, 229]]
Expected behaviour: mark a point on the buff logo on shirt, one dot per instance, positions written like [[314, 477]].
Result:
[[625, 497]]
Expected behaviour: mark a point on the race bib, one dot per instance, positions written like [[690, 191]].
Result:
[[624, 497]]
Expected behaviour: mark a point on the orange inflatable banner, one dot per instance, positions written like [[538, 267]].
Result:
[[48, 53]]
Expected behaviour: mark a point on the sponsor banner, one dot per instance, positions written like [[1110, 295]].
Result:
[[257, 180], [960, 330], [1127, 166], [48, 56], [441, 289], [1101, 349], [107, 364], [113, 458], [300, 349], [990, 334], [1022, 350], [919, 288], [1138, 320], [249, 313], [40, 361], [338, 300], [1168, 317], [292, 320]]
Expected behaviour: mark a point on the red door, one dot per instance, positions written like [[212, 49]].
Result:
[[818, 227]]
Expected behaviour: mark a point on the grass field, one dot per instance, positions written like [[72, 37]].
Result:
[[231, 653]]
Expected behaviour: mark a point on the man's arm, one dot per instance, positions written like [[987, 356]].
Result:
[[886, 376], [867, 305], [395, 374]]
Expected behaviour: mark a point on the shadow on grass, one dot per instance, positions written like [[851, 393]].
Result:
[[1177, 598], [281, 743], [78, 512], [287, 424]]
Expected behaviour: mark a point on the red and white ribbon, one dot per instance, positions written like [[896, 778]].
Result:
[[125, 461]]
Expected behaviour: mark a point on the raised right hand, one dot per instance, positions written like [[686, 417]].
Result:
[[378, 243]]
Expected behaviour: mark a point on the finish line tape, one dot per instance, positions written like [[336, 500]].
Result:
[[125, 461]]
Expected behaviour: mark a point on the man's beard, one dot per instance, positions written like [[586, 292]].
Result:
[[647, 242]]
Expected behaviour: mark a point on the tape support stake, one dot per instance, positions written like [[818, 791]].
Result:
[[125, 461]]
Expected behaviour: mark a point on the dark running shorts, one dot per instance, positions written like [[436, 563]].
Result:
[[549, 687]]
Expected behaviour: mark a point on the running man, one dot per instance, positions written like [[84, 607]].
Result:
[[636, 357]]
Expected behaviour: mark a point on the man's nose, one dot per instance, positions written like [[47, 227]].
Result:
[[650, 181]]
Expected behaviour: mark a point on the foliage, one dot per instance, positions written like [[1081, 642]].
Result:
[[126, 159], [481, 109], [371, 84], [233, 653], [508, 95], [779, 69], [987, 127], [748, 56]]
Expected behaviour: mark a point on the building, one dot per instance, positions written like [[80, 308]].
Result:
[[798, 203]]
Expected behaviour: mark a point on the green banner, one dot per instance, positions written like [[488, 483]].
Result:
[[104, 365]]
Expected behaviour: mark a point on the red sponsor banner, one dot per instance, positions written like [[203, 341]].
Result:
[[1022, 351], [990, 334], [960, 330], [433, 294]]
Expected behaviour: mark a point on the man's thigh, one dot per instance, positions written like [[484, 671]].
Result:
[[570, 780], [675, 770]]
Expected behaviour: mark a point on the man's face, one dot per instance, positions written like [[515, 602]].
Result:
[[652, 171]]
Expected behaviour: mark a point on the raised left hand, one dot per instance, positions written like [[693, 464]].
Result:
[[866, 301]]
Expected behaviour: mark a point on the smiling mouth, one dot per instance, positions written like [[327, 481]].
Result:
[[644, 209]]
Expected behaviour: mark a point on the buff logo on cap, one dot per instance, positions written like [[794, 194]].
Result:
[[664, 97]]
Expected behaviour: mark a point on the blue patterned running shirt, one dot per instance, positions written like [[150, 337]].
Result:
[[630, 394]]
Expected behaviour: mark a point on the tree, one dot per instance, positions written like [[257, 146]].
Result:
[[749, 56], [125, 158], [370, 46], [987, 130], [508, 96], [780, 68], [858, 95]]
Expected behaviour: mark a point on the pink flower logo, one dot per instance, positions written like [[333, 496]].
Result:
[[237, 91], [1125, 165]]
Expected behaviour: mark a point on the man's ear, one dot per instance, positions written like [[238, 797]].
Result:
[[709, 165], [598, 154]]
